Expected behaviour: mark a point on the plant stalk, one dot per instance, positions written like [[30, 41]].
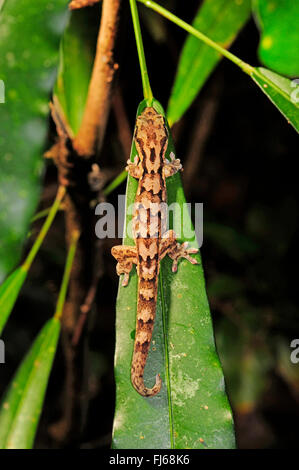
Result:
[[47, 224], [187, 27], [147, 92], [66, 275]]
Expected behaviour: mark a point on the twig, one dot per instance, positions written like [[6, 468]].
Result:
[[88, 302], [77, 4], [91, 132]]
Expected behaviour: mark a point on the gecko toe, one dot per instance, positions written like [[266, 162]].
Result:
[[192, 250], [125, 280]]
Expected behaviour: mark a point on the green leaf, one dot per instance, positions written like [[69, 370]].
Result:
[[283, 93], [279, 44], [75, 64], [220, 20], [11, 287], [191, 410], [9, 292], [23, 401], [30, 33]]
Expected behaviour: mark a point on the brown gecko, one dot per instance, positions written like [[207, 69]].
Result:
[[151, 168]]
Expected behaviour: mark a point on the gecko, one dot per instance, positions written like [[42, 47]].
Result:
[[151, 168]]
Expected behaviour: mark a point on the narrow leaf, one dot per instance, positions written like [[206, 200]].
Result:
[[75, 64], [220, 20], [23, 401], [29, 42], [191, 410], [21, 407], [9, 292], [283, 93], [276, 87], [279, 44], [11, 287]]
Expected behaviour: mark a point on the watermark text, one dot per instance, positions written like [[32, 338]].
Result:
[[150, 220]]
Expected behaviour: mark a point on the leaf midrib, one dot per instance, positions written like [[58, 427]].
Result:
[[167, 372]]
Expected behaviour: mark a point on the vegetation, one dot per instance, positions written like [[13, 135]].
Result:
[[236, 150]]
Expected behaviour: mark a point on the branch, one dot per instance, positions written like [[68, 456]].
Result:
[[91, 132], [77, 4]]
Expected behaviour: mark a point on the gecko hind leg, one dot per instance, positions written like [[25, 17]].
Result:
[[176, 250], [126, 256]]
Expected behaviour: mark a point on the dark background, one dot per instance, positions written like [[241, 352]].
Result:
[[246, 175]]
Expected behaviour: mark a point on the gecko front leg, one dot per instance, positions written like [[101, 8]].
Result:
[[126, 257], [173, 166], [175, 250], [133, 168]]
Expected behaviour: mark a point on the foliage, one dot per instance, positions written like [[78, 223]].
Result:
[[192, 410], [279, 43], [23, 401], [221, 20], [30, 34]]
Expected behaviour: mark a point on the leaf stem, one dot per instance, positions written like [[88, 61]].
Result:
[[43, 213], [44, 230], [147, 92], [187, 27], [116, 182], [66, 274]]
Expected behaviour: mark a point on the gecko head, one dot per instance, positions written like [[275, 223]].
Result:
[[149, 116], [149, 123]]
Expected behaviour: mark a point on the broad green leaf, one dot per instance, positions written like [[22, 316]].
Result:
[[279, 44], [22, 404], [283, 93], [9, 292], [75, 64], [191, 410], [220, 20], [29, 42]]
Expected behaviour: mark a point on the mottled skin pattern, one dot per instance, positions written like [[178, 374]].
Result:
[[152, 243]]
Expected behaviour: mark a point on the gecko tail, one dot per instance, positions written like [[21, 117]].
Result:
[[138, 384], [146, 312]]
